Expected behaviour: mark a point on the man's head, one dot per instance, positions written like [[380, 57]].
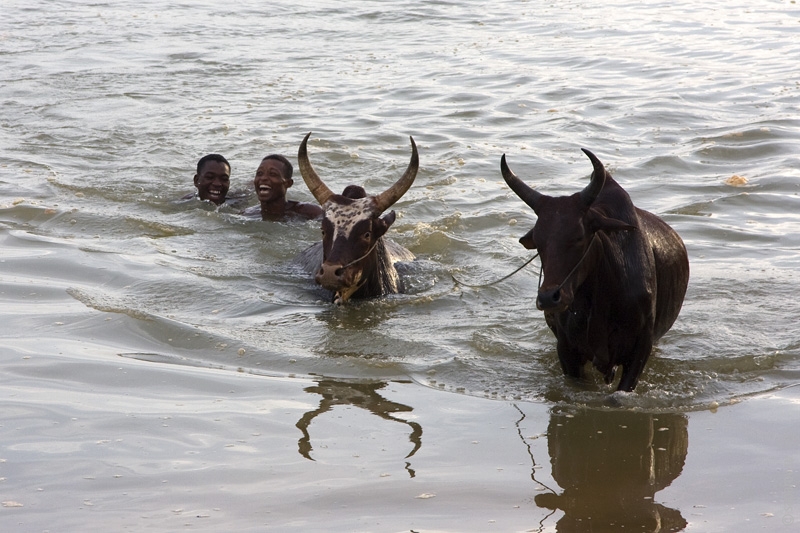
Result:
[[213, 178], [273, 177]]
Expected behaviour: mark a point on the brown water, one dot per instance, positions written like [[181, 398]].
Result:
[[158, 355]]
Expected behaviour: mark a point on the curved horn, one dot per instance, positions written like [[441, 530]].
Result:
[[385, 199], [524, 191], [320, 191], [590, 192]]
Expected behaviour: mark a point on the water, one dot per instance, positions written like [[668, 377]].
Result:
[[107, 107]]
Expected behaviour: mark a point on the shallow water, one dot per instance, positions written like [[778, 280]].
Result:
[[107, 107]]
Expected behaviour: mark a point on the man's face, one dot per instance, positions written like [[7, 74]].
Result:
[[213, 181], [269, 182]]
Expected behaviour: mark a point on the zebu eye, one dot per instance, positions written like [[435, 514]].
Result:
[[366, 235]]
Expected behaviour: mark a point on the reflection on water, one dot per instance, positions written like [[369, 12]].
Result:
[[364, 395], [610, 464]]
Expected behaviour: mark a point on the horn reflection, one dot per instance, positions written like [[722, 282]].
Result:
[[364, 395], [610, 464]]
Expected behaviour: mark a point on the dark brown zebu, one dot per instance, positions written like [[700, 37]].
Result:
[[354, 260], [614, 275]]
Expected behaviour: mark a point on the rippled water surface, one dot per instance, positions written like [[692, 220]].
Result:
[[106, 108]]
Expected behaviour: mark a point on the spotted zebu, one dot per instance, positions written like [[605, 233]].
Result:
[[356, 261]]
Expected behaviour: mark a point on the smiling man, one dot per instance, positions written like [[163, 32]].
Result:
[[273, 178], [213, 178]]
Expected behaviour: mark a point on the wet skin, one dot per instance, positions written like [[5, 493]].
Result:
[[213, 182], [269, 182], [271, 186]]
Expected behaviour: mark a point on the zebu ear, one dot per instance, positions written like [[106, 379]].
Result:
[[527, 241], [381, 225], [597, 222]]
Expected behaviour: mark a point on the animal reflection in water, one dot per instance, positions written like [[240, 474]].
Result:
[[364, 395], [610, 464]]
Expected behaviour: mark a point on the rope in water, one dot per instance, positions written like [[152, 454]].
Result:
[[526, 263]]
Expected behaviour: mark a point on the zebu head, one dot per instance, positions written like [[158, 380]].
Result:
[[352, 227], [564, 234]]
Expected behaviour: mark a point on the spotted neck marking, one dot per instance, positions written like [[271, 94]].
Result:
[[344, 217]]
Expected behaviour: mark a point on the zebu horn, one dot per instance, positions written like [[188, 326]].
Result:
[[590, 192], [388, 197], [320, 191], [524, 191]]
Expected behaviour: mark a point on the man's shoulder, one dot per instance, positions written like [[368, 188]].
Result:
[[238, 198], [306, 210], [253, 211]]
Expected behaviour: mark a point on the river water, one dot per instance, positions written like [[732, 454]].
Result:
[[106, 108]]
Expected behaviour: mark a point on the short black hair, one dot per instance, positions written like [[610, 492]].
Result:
[[211, 157], [286, 164]]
